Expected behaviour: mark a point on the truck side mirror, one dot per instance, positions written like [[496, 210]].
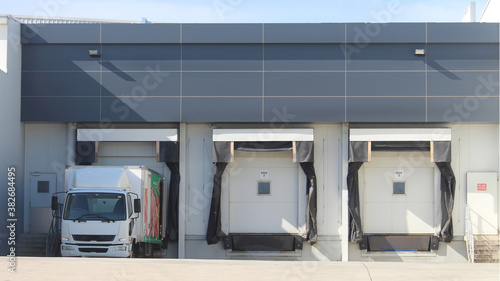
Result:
[[54, 203], [137, 205]]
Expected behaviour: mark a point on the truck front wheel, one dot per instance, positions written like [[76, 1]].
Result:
[[137, 251]]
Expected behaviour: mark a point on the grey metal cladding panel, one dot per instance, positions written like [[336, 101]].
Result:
[[462, 83], [60, 109], [304, 84], [141, 84], [386, 84], [222, 109], [394, 109], [304, 33], [141, 57], [304, 57], [60, 84], [141, 33], [222, 57], [222, 84], [143, 109], [462, 32], [462, 109], [221, 33], [59, 58], [304, 109], [60, 33], [444, 57], [363, 33], [384, 57]]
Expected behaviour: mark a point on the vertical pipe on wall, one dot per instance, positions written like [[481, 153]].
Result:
[[70, 146], [26, 186], [345, 195], [182, 192], [166, 189], [323, 158], [188, 187], [340, 180], [459, 183]]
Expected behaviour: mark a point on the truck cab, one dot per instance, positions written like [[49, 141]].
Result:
[[98, 223], [103, 216]]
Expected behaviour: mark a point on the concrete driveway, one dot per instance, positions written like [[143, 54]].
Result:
[[28, 268]]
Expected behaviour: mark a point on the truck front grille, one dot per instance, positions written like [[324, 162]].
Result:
[[93, 250], [98, 238]]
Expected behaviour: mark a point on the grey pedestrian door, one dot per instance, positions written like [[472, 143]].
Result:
[[42, 186]]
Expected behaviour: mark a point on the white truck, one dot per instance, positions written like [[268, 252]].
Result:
[[112, 211]]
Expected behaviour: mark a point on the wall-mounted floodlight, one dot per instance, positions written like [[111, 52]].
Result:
[[420, 52], [94, 53]]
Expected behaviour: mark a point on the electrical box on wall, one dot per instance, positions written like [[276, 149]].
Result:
[[482, 197]]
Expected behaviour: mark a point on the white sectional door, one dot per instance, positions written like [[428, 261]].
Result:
[[275, 212], [384, 211], [129, 153]]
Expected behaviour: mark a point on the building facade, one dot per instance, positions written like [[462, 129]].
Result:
[[293, 141]]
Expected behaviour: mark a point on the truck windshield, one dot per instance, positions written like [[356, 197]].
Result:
[[95, 206]]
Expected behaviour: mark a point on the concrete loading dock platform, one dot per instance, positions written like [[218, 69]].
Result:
[[172, 269]]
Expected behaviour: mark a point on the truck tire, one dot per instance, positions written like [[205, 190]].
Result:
[[134, 251], [148, 250], [137, 251], [157, 251]]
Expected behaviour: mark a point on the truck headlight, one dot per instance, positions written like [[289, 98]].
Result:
[[119, 248], [63, 239], [66, 248], [124, 239]]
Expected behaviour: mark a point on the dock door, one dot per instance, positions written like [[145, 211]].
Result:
[[154, 148], [395, 179], [263, 193], [398, 191], [269, 181]]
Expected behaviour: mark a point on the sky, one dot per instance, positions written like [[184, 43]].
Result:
[[247, 11]]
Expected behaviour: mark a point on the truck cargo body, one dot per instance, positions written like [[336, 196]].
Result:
[[101, 216]]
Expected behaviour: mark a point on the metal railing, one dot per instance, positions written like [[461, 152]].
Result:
[[54, 237], [469, 236]]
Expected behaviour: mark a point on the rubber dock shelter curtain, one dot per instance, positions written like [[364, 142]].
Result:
[[169, 154], [173, 202], [214, 232], [358, 153], [222, 153], [355, 232], [448, 184], [312, 232]]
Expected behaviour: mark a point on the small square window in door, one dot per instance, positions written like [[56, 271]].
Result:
[[264, 188], [398, 188], [43, 187]]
